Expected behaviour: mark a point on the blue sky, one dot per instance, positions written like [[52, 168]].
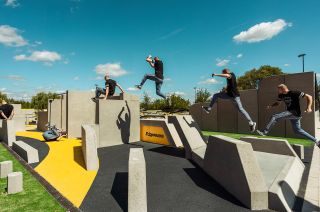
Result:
[[58, 45]]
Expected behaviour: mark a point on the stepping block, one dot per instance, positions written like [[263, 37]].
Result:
[[25, 151], [15, 182], [137, 182], [90, 141], [299, 149], [7, 132], [5, 168]]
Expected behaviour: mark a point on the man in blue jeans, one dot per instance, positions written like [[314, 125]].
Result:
[[109, 90], [293, 113], [230, 92], [157, 64]]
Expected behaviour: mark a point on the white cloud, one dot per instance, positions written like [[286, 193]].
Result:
[[178, 93], [132, 89], [167, 79], [239, 55], [262, 31], [171, 34], [223, 62], [9, 36], [209, 81], [286, 65], [76, 78], [46, 57], [13, 77], [3, 89], [11, 3], [113, 69]]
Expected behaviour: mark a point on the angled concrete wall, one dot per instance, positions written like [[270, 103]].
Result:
[[119, 121], [233, 165], [25, 151], [80, 110]]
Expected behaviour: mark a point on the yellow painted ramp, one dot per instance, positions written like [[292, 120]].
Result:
[[64, 169]]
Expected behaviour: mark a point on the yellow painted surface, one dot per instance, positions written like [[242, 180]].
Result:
[[64, 168], [153, 134]]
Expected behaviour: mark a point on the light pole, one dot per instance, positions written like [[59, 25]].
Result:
[[302, 56], [195, 94]]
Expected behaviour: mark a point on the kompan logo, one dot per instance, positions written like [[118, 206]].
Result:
[[154, 135]]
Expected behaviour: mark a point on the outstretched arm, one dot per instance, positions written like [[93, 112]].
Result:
[[129, 111], [222, 75], [309, 103], [122, 91]]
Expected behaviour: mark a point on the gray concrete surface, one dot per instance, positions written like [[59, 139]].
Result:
[[15, 183], [312, 193], [5, 168], [42, 120], [7, 132], [25, 151], [90, 141], [233, 164], [119, 122], [137, 181], [189, 132]]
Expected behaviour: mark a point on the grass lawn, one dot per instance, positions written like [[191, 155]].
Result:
[[34, 197], [303, 142]]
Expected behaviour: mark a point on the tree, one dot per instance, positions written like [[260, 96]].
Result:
[[146, 102], [40, 100], [250, 79], [202, 95]]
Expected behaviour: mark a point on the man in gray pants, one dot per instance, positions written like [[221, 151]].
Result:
[[293, 113], [230, 92]]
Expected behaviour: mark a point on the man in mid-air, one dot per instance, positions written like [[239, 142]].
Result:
[[231, 92], [109, 90], [157, 64], [293, 112]]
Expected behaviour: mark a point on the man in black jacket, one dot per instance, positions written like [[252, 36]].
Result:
[[109, 90], [6, 110]]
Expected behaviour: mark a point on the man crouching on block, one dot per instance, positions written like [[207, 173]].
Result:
[[109, 90], [293, 112]]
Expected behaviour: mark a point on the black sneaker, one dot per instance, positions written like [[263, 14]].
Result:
[[253, 127], [206, 109], [138, 86], [94, 99], [318, 143], [261, 133]]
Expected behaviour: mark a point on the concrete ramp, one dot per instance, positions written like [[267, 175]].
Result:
[[190, 135]]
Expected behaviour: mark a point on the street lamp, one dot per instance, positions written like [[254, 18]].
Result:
[[195, 94], [302, 55]]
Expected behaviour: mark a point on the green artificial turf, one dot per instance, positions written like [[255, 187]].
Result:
[[34, 197], [303, 142]]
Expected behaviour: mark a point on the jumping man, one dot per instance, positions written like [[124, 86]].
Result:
[[293, 113], [109, 90], [230, 92], [157, 64]]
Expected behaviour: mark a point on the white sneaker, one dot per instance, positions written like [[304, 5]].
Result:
[[261, 133], [253, 127], [206, 109]]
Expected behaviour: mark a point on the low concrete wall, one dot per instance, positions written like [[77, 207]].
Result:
[[137, 182], [232, 164], [7, 131], [25, 151], [42, 120]]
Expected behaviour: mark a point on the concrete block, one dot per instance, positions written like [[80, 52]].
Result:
[[80, 110], [90, 140], [233, 165], [15, 182], [119, 122], [189, 132], [8, 133], [137, 189], [312, 193], [19, 122], [299, 150], [285, 187], [5, 168], [270, 145], [128, 96], [227, 116], [195, 111], [42, 120], [25, 151], [159, 131]]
